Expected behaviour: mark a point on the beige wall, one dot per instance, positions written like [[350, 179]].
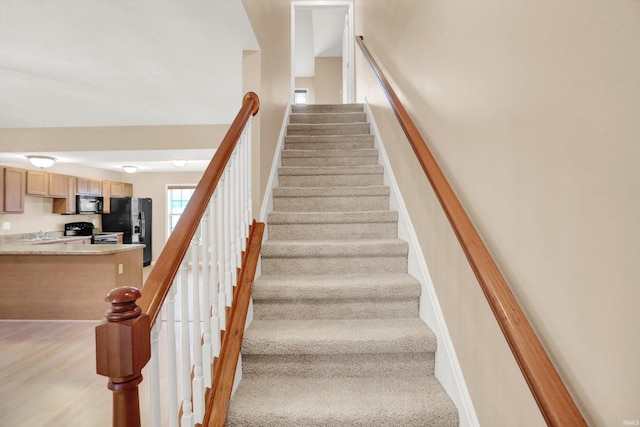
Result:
[[112, 138], [251, 72], [307, 83], [271, 22], [328, 80], [532, 110]]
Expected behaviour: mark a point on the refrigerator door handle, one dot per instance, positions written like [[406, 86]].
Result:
[[142, 225]]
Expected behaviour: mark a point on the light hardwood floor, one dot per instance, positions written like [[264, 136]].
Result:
[[48, 375]]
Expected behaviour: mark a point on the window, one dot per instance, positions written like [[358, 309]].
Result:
[[177, 196], [301, 96]]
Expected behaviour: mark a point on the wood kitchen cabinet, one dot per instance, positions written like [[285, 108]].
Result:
[[13, 183], [67, 204], [45, 184], [128, 190], [106, 196], [89, 186], [37, 183], [58, 185]]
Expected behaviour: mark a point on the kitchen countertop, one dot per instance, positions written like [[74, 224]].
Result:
[[62, 249]]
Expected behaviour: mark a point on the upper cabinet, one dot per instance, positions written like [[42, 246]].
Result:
[[46, 184], [107, 187], [13, 184], [58, 185], [37, 183], [89, 186], [67, 204]]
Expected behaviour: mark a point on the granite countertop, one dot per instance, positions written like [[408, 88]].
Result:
[[62, 249]]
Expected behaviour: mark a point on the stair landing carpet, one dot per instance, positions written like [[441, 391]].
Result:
[[336, 339]]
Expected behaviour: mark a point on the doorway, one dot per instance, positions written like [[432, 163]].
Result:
[[322, 50]]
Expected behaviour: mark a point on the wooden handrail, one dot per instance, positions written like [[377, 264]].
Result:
[[166, 267], [225, 369], [554, 401]]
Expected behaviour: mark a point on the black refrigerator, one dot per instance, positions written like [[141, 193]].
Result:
[[132, 216]]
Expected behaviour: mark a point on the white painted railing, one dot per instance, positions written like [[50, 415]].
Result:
[[204, 286], [183, 304]]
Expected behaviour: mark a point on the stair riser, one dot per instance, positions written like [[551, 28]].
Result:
[[328, 129], [319, 108], [338, 365], [330, 204], [334, 309], [303, 118], [385, 230], [319, 145], [343, 265], [329, 161], [330, 180]]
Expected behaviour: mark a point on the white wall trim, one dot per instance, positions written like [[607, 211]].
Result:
[[447, 368]]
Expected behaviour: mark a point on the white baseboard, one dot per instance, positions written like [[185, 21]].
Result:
[[447, 369]]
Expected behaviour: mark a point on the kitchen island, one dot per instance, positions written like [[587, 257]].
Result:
[[64, 282]]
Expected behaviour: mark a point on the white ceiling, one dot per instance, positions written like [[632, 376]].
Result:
[[73, 63]]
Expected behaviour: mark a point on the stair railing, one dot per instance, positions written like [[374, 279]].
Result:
[[181, 320], [550, 393]]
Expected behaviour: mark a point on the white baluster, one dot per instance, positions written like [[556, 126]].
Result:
[[187, 419], [198, 380], [206, 299], [154, 379], [213, 259], [233, 218], [228, 283], [243, 196], [249, 173], [172, 350], [222, 294]]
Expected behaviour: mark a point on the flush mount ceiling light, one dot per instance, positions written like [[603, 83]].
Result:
[[130, 169], [42, 161], [179, 163]]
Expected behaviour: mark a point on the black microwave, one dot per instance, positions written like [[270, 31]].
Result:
[[89, 204]]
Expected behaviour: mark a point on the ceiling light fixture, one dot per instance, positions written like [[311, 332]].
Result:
[[130, 169], [42, 161], [179, 163]]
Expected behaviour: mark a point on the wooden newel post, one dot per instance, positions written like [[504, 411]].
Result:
[[123, 347]]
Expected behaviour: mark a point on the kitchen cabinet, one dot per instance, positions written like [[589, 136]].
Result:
[[67, 204], [45, 184], [128, 190], [89, 186], [57, 185], [37, 183], [117, 189], [13, 190], [106, 195]]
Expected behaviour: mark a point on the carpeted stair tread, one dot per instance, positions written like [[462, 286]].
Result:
[[338, 336], [288, 401], [361, 152], [328, 117], [328, 128], [326, 108], [356, 191], [331, 170], [334, 248], [334, 287], [332, 217]]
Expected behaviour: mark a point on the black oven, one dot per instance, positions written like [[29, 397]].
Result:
[[79, 229]]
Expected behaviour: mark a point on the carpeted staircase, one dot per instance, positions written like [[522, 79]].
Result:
[[336, 339]]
